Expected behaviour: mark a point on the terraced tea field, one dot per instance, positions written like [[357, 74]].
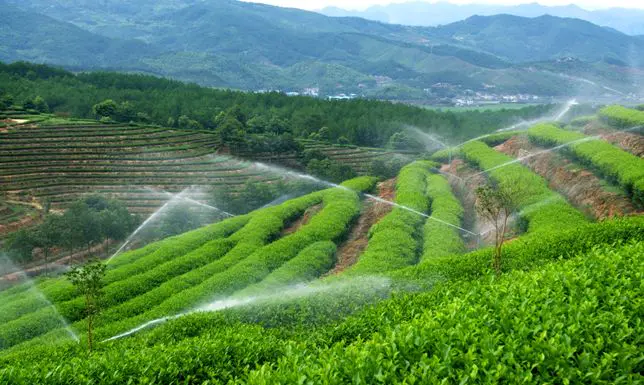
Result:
[[58, 163], [274, 297]]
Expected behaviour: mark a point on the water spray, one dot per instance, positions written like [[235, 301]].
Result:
[[378, 199], [518, 160], [190, 200], [525, 124], [43, 298], [146, 223], [292, 292]]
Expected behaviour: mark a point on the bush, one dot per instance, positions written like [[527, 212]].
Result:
[[539, 206], [616, 165], [394, 241], [621, 117], [309, 264], [440, 238]]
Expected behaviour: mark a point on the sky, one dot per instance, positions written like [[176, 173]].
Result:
[[363, 4]]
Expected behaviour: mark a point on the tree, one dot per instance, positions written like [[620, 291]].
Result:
[[402, 141], [105, 109], [20, 245], [88, 280], [47, 235], [6, 101], [330, 170], [231, 132], [343, 140], [257, 124], [28, 104], [325, 133], [496, 204], [116, 223], [183, 121], [40, 104], [125, 112]]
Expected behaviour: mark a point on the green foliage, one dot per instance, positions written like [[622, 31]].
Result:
[[387, 168], [88, 221], [362, 122], [330, 170], [105, 109], [309, 264], [36, 317], [538, 205], [360, 184], [528, 330], [403, 141], [583, 121], [441, 239], [621, 117], [615, 164], [541, 322], [395, 240], [88, 280]]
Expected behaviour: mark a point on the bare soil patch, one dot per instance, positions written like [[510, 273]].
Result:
[[301, 221], [358, 239]]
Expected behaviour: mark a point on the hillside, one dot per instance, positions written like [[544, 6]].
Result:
[[243, 45], [428, 14], [57, 161], [35, 37], [520, 39], [390, 281]]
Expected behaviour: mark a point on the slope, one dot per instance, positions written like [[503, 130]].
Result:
[[36, 37], [236, 44], [440, 13], [521, 39]]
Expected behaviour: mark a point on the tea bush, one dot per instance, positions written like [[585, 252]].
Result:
[[615, 164]]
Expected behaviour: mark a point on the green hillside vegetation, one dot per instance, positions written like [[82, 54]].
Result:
[[557, 276], [616, 165], [254, 46], [386, 277], [532, 298], [520, 39], [147, 99]]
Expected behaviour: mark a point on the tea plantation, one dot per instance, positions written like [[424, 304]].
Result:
[[248, 299]]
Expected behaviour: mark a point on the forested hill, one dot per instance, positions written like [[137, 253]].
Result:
[[228, 43], [520, 39], [150, 99]]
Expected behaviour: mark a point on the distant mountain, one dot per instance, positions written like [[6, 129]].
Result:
[[227, 43], [34, 37], [520, 39], [418, 13]]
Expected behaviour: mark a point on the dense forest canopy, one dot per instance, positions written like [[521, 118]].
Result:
[[166, 102]]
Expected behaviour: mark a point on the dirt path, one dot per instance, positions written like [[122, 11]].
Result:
[[464, 183], [301, 221], [349, 251], [580, 186]]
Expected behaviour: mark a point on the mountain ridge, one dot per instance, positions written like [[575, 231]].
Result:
[[417, 13], [240, 45]]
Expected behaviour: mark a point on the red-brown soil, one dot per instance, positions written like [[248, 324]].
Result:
[[628, 141], [302, 220], [464, 183], [358, 239], [581, 187]]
